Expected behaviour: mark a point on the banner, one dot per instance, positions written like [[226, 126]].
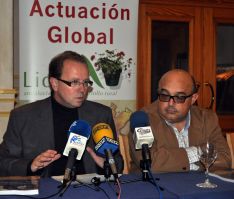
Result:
[[105, 32]]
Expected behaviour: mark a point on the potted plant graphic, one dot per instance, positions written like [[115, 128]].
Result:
[[112, 63]]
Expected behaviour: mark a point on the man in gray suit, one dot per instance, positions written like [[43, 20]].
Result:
[[37, 133]]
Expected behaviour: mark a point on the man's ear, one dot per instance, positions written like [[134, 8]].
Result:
[[194, 98], [54, 83]]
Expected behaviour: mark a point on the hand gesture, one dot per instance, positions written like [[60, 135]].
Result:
[[44, 159]]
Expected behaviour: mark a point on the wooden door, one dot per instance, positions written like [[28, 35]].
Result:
[[218, 59], [150, 13], [205, 19]]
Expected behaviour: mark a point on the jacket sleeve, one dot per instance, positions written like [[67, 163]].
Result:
[[11, 162], [215, 136]]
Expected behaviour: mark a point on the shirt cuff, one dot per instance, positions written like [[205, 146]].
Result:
[[192, 153]]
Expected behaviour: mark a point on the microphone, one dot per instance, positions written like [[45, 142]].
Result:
[[79, 133], [106, 146], [139, 124], [143, 139]]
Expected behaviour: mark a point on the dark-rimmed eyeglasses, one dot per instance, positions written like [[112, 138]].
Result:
[[86, 83], [176, 98]]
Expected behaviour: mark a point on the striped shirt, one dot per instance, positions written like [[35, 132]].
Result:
[[183, 141]]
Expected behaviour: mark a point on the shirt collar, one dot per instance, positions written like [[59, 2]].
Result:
[[187, 123]]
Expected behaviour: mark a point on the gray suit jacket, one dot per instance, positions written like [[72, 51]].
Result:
[[30, 132]]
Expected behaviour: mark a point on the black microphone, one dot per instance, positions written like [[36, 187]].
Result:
[[70, 163], [143, 139], [79, 133]]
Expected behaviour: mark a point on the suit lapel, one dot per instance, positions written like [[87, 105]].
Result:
[[45, 121]]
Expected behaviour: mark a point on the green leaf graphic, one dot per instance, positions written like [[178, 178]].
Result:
[[93, 73]]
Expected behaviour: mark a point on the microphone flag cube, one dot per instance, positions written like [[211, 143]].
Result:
[[76, 141], [143, 135], [106, 143]]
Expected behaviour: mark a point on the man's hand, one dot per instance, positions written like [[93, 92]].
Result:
[[99, 160], [44, 159]]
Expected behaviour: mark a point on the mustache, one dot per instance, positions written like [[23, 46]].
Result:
[[171, 109]]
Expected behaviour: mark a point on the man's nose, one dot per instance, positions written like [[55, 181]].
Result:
[[171, 101]]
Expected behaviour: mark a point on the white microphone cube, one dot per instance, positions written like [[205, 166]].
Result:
[[75, 141], [143, 135]]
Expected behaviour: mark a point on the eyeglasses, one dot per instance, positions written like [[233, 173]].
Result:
[[176, 99], [86, 83]]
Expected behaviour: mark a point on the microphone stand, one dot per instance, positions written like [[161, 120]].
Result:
[[107, 170], [109, 165], [66, 183], [145, 163], [107, 173]]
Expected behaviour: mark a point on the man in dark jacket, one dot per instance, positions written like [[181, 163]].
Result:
[[37, 133]]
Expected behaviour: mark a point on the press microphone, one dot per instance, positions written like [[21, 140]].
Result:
[[143, 139], [106, 146], [79, 133]]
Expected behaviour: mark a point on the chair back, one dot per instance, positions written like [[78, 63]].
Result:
[[230, 141]]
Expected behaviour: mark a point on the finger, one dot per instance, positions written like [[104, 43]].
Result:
[[44, 159], [91, 152], [49, 154], [56, 157]]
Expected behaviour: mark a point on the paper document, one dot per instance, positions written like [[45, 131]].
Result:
[[19, 185]]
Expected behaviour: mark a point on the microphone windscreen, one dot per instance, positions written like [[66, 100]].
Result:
[[139, 119], [78, 135], [101, 130], [104, 139], [80, 127]]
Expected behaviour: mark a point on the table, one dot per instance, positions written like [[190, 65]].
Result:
[[173, 185], [183, 185]]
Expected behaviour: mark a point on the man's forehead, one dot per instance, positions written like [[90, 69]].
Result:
[[177, 81], [173, 91]]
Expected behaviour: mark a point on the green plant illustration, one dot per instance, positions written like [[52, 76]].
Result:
[[111, 61]]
